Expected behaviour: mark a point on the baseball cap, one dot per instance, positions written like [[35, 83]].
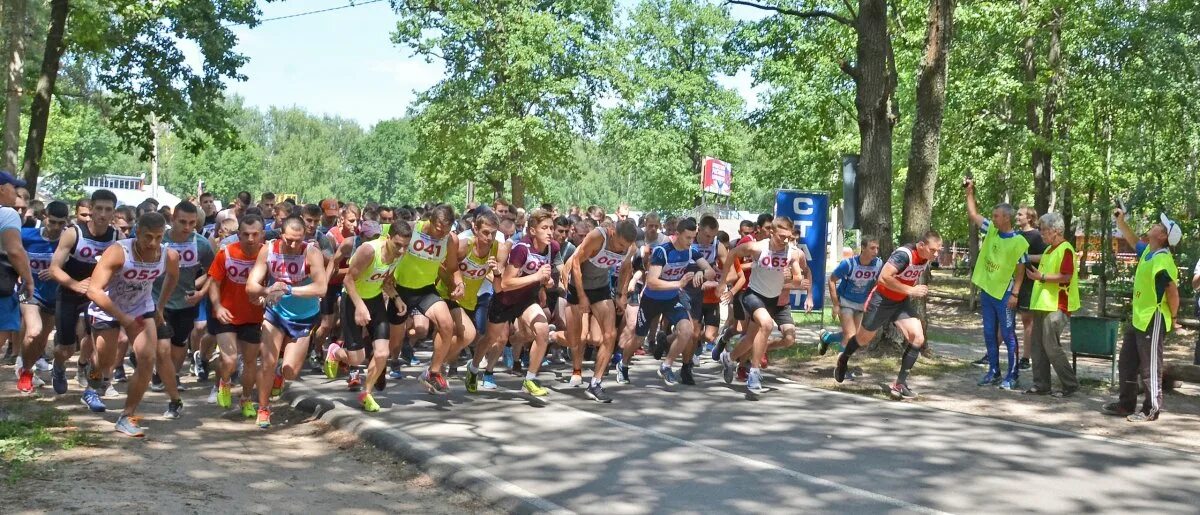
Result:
[[330, 207], [1174, 233], [8, 178]]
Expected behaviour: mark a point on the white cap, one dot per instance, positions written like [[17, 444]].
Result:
[[1174, 233]]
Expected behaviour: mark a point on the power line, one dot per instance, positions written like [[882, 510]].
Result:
[[306, 13]]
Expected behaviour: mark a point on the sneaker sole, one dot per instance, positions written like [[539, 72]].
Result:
[[593, 396]]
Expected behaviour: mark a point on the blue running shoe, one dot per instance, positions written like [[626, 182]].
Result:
[[622, 373], [489, 382], [396, 373], [754, 382], [58, 379], [128, 427], [667, 375], [92, 400], [1008, 384], [990, 378]]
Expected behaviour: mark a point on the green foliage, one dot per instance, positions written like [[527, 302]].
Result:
[[81, 144], [521, 78]]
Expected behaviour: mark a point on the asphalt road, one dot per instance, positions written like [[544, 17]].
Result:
[[707, 448]]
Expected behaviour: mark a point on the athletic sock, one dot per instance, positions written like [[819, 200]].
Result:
[[851, 346], [530, 376], [596, 381], [906, 363]]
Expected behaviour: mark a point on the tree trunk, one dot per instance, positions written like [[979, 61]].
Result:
[[39, 113], [518, 190], [1086, 245], [14, 26], [1043, 131], [925, 151], [875, 76], [1067, 208]]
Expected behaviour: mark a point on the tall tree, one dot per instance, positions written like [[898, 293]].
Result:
[[925, 152], [873, 73], [14, 53], [39, 112], [521, 79]]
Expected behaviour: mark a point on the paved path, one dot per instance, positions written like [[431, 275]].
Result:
[[707, 448]]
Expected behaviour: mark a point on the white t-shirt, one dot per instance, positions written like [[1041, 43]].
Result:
[[9, 219]]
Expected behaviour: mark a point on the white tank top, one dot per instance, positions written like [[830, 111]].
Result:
[[286, 268], [131, 289], [767, 276], [606, 259]]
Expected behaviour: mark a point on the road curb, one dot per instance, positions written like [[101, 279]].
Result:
[[443, 468]]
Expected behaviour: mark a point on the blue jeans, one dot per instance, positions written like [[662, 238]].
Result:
[[997, 317]]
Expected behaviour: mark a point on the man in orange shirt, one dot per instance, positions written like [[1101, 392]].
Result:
[[236, 320]]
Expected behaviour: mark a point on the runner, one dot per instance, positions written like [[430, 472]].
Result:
[[14, 264], [183, 306], [1155, 308], [432, 251], [236, 319], [290, 277], [707, 311], [121, 293], [367, 318], [666, 277], [999, 272], [589, 268], [336, 270], [480, 257], [889, 302], [526, 274], [775, 262], [208, 228], [849, 284], [71, 266], [37, 310]]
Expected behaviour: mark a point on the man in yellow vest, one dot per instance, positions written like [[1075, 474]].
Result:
[[999, 271], [1054, 296], [1155, 306]]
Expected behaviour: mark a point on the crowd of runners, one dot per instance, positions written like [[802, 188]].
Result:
[[261, 291]]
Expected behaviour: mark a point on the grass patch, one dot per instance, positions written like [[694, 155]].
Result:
[[876, 365], [30, 428]]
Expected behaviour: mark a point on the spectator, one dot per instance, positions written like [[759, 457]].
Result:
[[1053, 296]]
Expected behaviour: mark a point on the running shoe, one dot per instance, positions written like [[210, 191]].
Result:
[[58, 379], [156, 384], [719, 348], [24, 380], [617, 357], [472, 380], [1008, 384], [900, 391], [354, 380], [396, 373], [1024, 364], [225, 395], [201, 366], [1114, 409], [743, 372], [368, 403], [173, 409], [38, 382], [534, 387], [660, 345], [507, 357], [41, 365], [277, 386], [212, 395], [622, 373], [990, 378], [981, 362], [263, 419], [728, 368], [440, 385], [685, 374], [81, 375], [489, 382], [91, 399], [823, 343], [331, 364], [110, 392], [596, 393], [179, 384], [1034, 391], [576, 379], [754, 382], [517, 369], [839, 372], [425, 380], [128, 427], [119, 375], [667, 375], [1141, 417], [1064, 394], [248, 409]]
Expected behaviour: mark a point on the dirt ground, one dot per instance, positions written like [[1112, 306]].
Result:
[[211, 461], [948, 382]]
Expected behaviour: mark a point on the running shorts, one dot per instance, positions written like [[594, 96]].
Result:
[[329, 300], [880, 311], [294, 329], [499, 313], [420, 300], [67, 310], [249, 333], [674, 310], [178, 326], [752, 301], [594, 295], [356, 337], [96, 324], [43, 307], [739, 313]]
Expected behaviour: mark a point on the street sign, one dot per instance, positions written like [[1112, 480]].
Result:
[[716, 177], [810, 212]]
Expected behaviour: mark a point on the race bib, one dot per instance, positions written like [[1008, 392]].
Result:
[[238, 270], [39, 262], [189, 256], [88, 251]]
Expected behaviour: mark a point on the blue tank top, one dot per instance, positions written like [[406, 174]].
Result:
[[856, 279], [40, 251], [674, 263]]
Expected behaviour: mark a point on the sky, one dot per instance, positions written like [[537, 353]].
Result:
[[343, 63]]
